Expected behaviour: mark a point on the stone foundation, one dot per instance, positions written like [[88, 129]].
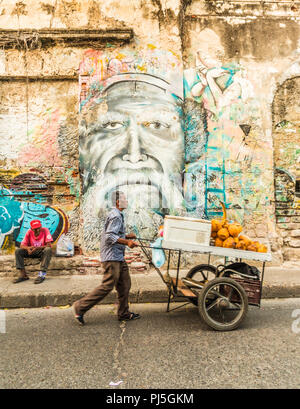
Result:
[[79, 264]]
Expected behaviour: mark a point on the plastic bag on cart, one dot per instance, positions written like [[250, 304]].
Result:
[[64, 247], [158, 255]]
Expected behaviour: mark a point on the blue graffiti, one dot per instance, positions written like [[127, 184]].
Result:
[[15, 216], [48, 216], [11, 213]]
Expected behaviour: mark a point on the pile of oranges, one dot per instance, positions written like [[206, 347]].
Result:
[[229, 235]]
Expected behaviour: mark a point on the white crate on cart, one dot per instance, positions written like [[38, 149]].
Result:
[[188, 230]]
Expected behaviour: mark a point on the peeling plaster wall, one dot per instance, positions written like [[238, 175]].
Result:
[[41, 89], [39, 156], [234, 58]]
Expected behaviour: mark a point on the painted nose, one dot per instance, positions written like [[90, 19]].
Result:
[[134, 152]]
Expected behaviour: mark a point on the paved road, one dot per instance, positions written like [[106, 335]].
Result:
[[44, 348]]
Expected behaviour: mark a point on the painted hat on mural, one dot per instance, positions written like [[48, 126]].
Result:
[[151, 65], [35, 224]]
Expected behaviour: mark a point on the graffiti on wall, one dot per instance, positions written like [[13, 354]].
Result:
[[19, 207], [230, 153], [176, 142], [43, 144], [131, 136], [40, 158]]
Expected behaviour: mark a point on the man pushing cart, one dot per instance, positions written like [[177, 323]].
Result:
[[221, 293]]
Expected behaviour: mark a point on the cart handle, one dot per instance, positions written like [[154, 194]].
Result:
[[139, 238]]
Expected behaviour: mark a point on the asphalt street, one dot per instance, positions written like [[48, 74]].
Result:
[[45, 348]]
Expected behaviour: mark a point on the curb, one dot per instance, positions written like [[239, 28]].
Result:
[[281, 291], [56, 299]]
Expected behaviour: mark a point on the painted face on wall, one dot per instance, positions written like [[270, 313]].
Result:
[[133, 140]]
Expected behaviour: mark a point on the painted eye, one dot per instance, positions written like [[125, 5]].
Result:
[[156, 125], [113, 125]]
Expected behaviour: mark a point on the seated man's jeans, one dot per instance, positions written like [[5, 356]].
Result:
[[44, 254]]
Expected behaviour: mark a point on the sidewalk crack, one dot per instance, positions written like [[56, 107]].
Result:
[[117, 370]]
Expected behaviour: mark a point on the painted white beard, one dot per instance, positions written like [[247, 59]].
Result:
[[140, 216]]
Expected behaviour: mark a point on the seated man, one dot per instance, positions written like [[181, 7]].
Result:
[[36, 244]]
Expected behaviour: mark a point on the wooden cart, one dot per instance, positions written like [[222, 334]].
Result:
[[223, 293]]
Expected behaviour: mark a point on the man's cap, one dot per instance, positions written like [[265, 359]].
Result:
[[35, 224], [100, 70]]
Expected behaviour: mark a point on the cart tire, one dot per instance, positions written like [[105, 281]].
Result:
[[203, 269], [204, 306]]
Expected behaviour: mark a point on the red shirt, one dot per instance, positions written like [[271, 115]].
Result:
[[31, 241]]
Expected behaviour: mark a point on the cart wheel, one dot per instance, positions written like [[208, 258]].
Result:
[[223, 304], [202, 273]]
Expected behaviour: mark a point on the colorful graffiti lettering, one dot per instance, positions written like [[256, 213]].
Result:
[[15, 217], [52, 218]]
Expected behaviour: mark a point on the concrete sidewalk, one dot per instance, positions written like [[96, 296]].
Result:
[[279, 282]]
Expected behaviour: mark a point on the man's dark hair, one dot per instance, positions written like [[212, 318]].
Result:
[[116, 194]]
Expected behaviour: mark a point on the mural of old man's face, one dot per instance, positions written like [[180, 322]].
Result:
[[131, 139]]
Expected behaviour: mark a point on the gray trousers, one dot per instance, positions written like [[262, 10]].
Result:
[[116, 274], [44, 254]]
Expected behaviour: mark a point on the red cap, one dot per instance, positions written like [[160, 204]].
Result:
[[35, 224]]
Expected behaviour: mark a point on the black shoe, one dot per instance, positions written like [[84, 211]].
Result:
[[132, 316], [39, 280], [79, 318]]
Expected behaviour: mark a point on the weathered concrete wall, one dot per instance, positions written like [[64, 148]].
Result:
[[39, 157], [237, 114]]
